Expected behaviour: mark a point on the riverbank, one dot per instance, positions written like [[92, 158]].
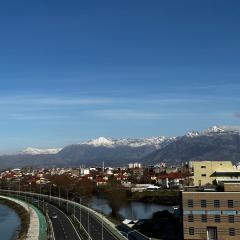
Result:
[[23, 215], [168, 198], [162, 197]]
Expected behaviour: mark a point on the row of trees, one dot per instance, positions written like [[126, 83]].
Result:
[[67, 187]]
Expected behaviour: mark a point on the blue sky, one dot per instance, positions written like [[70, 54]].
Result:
[[75, 70]]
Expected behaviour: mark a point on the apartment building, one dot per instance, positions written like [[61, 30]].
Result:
[[212, 215], [203, 171]]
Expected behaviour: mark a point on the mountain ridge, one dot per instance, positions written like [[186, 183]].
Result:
[[215, 143]]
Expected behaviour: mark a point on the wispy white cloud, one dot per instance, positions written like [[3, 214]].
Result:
[[65, 101], [35, 116], [49, 100], [128, 114]]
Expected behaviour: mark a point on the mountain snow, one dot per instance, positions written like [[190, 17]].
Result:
[[111, 143], [214, 129], [36, 151], [192, 134], [102, 141], [222, 129], [157, 142]]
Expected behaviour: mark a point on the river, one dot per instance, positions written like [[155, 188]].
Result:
[[9, 223], [133, 210]]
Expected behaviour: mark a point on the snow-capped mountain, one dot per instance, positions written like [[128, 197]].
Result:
[[214, 143], [37, 151], [192, 134], [214, 129], [111, 143], [222, 129]]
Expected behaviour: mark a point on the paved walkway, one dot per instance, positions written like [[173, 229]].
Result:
[[37, 226]]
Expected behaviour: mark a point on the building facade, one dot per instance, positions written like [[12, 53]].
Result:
[[203, 171], [212, 215]]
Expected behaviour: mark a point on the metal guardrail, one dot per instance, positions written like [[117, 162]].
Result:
[[43, 224], [50, 232], [82, 228], [101, 218]]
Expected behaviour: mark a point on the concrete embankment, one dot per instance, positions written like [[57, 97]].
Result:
[[37, 225]]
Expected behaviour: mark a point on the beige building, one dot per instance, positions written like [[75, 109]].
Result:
[[204, 171], [212, 215]]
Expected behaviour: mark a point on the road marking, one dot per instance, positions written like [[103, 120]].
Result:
[[68, 219]]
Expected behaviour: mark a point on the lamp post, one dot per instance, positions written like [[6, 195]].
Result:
[[88, 224], [50, 192], [80, 211], [59, 195], [102, 225], [19, 188], [67, 200], [31, 196]]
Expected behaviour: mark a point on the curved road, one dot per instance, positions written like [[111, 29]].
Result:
[[62, 225], [96, 227]]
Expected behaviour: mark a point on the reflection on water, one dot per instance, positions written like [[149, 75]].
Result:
[[133, 210], [9, 222]]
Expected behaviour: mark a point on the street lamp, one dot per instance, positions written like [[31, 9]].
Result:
[[88, 223], [50, 192], [67, 200], [80, 211], [102, 224], [59, 195], [19, 188]]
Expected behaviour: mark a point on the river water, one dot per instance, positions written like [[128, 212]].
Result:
[[9, 223], [133, 210]]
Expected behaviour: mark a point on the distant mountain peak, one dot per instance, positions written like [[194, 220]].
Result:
[[193, 134], [37, 151], [222, 129], [215, 129], [131, 142], [101, 141]]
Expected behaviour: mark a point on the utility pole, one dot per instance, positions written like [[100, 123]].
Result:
[[67, 201], [88, 224], [19, 189], [50, 191], [80, 212], [59, 194], [102, 224]]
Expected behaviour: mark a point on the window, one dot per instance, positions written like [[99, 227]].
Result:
[[216, 203], [230, 204], [217, 218], [204, 218], [204, 175], [203, 166], [210, 212], [190, 203], [227, 212], [191, 231], [231, 218], [190, 218], [203, 203], [231, 232]]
